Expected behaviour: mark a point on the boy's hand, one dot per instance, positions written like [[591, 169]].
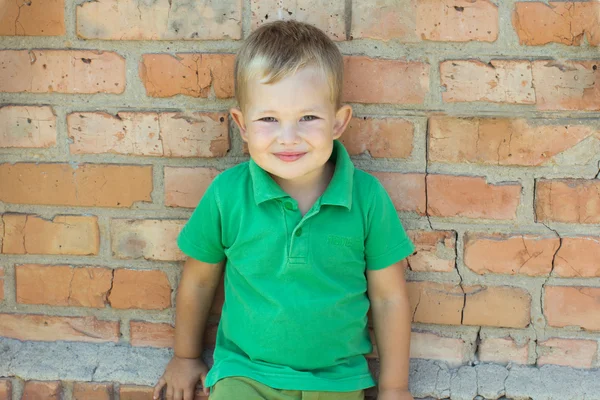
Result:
[[394, 394], [180, 378]]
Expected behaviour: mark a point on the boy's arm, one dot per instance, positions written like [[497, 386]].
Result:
[[392, 324], [195, 295]]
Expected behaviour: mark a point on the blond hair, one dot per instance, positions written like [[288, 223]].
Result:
[[279, 49]]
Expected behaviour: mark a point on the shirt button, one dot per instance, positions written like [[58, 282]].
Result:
[[299, 232], [289, 206]]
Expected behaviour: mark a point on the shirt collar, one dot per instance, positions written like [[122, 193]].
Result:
[[338, 192]]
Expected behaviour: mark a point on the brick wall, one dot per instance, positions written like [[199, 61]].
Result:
[[480, 117]]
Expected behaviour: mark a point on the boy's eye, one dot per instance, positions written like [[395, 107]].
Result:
[[309, 118], [268, 119]]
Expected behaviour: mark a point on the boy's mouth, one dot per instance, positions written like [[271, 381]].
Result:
[[288, 156]]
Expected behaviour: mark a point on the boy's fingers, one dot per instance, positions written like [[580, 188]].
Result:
[[205, 390], [170, 392], [178, 395], [158, 388]]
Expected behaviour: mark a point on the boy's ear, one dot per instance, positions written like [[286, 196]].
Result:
[[342, 119], [238, 118]]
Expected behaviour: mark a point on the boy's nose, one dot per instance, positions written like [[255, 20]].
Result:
[[289, 134]]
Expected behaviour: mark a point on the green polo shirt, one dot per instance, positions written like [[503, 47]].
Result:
[[295, 310]]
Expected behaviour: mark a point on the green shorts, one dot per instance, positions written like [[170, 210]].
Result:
[[238, 387]]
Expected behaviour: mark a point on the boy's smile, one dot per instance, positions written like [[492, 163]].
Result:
[[290, 125]]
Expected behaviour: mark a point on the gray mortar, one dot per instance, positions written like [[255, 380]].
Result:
[[120, 363]]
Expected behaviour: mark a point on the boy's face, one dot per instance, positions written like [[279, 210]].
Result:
[[290, 125]]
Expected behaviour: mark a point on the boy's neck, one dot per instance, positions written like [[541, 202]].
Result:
[[310, 187]]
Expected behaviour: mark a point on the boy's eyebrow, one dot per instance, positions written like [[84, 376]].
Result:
[[306, 110]]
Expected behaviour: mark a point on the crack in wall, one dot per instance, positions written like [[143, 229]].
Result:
[[427, 174], [109, 291]]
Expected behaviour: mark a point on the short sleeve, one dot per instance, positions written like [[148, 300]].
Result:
[[200, 237], [386, 242]]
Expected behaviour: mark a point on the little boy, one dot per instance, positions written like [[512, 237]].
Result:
[[306, 241]]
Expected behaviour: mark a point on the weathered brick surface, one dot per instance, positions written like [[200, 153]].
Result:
[[499, 81], [471, 197], [84, 185], [61, 71], [51, 390], [150, 134], [567, 85], [578, 258], [506, 254], [5, 389], [160, 20], [565, 22], [370, 80], [568, 200], [501, 306], [92, 391], [454, 351], [435, 251], [27, 126], [380, 137], [62, 285], [504, 141], [151, 334], [33, 18], [568, 352], [1, 284], [327, 15], [64, 234], [184, 187], [436, 303], [407, 191], [149, 239], [49, 328], [503, 351], [457, 20], [391, 20], [195, 75], [140, 289], [572, 306]]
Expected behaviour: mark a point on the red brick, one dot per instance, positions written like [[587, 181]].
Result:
[[5, 389], [380, 137], [370, 80], [131, 20], [572, 306], [151, 334], [1, 284], [327, 15], [61, 71], [501, 306], [150, 134], [27, 126], [407, 191], [435, 251], [62, 285], [196, 75], [33, 18], [567, 352], [510, 254], [567, 85], [471, 197], [38, 390], [64, 234], [92, 391], [578, 258], [149, 239], [457, 20], [431, 346], [47, 328], [435, 303], [87, 185], [184, 187], [568, 200], [130, 392], [564, 22], [503, 351], [499, 81], [503, 141], [149, 290]]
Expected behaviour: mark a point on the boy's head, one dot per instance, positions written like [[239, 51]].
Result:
[[288, 82], [279, 49]]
